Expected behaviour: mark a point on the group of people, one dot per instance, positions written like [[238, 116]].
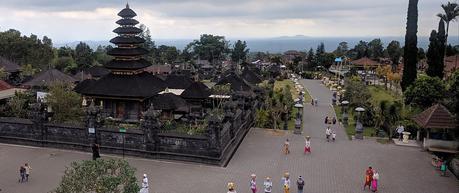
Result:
[[307, 146], [268, 184], [371, 179], [314, 102], [24, 173], [329, 133]]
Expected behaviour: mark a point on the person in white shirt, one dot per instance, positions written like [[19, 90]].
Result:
[[253, 183], [333, 136], [286, 182], [327, 133], [400, 130], [144, 188], [268, 185]]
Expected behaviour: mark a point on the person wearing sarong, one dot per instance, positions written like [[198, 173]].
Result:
[[286, 147], [307, 145], [253, 183], [368, 178], [374, 182], [286, 182]]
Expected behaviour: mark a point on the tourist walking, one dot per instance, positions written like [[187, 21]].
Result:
[[144, 188], [307, 145], [316, 101], [300, 184], [368, 178], [374, 182], [333, 136], [22, 171], [286, 147], [231, 188], [27, 171], [268, 185], [312, 102], [328, 133], [400, 129], [286, 182], [326, 120], [253, 183], [334, 120]]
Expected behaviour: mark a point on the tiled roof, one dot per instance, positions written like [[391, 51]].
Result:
[[46, 78], [436, 117]]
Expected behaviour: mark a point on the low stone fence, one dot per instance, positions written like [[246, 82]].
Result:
[[133, 142], [452, 145]]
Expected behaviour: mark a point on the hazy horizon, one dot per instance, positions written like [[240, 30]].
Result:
[[66, 20]]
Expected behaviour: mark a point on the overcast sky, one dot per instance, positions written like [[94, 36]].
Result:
[[70, 20]]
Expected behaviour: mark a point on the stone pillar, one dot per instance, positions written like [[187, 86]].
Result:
[[213, 133], [38, 116], [93, 121], [151, 126]]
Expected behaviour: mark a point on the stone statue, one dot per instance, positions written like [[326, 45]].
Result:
[[151, 125]]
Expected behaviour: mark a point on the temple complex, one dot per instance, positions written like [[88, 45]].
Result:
[[126, 91]]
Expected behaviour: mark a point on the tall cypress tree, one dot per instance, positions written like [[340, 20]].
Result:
[[441, 37], [433, 56], [411, 41]]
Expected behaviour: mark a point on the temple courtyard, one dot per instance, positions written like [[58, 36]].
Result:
[[332, 167]]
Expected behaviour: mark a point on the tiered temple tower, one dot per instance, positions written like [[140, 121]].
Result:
[[126, 91]]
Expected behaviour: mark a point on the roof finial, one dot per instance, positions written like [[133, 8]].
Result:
[[127, 5]]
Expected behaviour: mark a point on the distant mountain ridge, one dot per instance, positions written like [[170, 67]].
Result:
[[279, 44]]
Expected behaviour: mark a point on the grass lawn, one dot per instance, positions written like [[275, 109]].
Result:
[[378, 94], [350, 128], [278, 85]]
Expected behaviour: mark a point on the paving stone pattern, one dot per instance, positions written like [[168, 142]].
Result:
[[331, 168]]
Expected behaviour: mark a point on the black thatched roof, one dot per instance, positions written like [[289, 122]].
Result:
[[8, 65], [83, 84], [196, 90], [140, 86], [175, 81], [127, 30], [97, 71], [127, 12], [169, 101], [127, 51], [127, 21], [250, 76], [127, 40], [127, 64], [48, 77], [236, 82]]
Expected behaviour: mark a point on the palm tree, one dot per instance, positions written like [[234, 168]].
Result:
[[451, 12]]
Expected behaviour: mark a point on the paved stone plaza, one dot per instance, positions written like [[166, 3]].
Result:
[[332, 167]]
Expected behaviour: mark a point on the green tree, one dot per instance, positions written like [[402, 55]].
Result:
[[395, 52], [19, 104], [411, 49], [425, 91], [356, 92], [361, 50], [167, 54], [65, 103], [451, 12], [310, 60], [239, 52], [451, 51], [66, 64], [375, 48], [209, 47], [83, 56], [421, 54], [453, 91], [435, 65], [342, 49], [99, 176], [100, 55]]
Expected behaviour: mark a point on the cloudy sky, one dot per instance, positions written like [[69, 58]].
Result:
[[70, 20]]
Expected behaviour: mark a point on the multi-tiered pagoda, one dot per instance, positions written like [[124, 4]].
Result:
[[125, 92]]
